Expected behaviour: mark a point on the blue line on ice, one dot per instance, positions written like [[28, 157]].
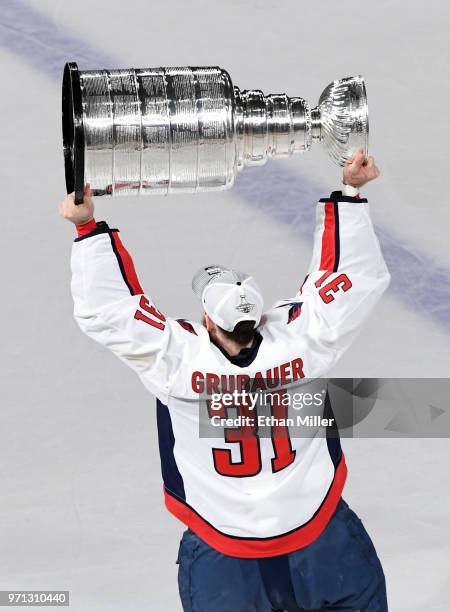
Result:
[[416, 280], [42, 43]]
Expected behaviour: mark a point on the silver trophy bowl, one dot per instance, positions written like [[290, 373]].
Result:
[[183, 130]]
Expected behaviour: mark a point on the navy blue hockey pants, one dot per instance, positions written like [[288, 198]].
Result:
[[339, 571]]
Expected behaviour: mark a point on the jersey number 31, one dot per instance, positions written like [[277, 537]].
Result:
[[250, 462]]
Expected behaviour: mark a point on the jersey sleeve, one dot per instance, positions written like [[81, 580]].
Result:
[[346, 278], [111, 307]]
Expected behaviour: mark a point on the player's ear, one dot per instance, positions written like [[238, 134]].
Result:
[[209, 324]]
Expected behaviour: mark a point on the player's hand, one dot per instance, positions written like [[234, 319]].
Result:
[[359, 170], [81, 213]]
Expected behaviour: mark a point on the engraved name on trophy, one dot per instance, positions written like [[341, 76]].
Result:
[[183, 130]]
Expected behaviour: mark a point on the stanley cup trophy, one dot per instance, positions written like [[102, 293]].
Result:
[[183, 130]]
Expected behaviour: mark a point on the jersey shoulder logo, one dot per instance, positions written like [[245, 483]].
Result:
[[187, 326], [294, 310]]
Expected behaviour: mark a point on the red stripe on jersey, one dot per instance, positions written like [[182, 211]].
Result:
[[254, 548], [127, 265], [328, 238]]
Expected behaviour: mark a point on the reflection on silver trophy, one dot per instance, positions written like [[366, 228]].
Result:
[[183, 130]]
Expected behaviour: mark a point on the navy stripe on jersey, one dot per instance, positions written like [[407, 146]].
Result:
[[337, 196], [125, 264], [101, 228], [337, 243], [332, 433], [172, 478]]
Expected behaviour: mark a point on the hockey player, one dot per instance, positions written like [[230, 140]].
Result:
[[267, 527]]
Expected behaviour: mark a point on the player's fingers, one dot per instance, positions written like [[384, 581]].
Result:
[[372, 169], [64, 211], [351, 159], [372, 173], [67, 204], [70, 198], [359, 160]]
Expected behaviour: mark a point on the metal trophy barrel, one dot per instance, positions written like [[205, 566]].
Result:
[[183, 130]]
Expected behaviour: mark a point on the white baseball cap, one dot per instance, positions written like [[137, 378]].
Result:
[[228, 296]]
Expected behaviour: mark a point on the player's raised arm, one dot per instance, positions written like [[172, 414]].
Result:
[[347, 274], [110, 305]]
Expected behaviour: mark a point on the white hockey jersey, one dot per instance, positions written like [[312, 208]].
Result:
[[253, 497]]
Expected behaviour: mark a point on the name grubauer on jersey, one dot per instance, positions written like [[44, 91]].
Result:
[[257, 500]]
